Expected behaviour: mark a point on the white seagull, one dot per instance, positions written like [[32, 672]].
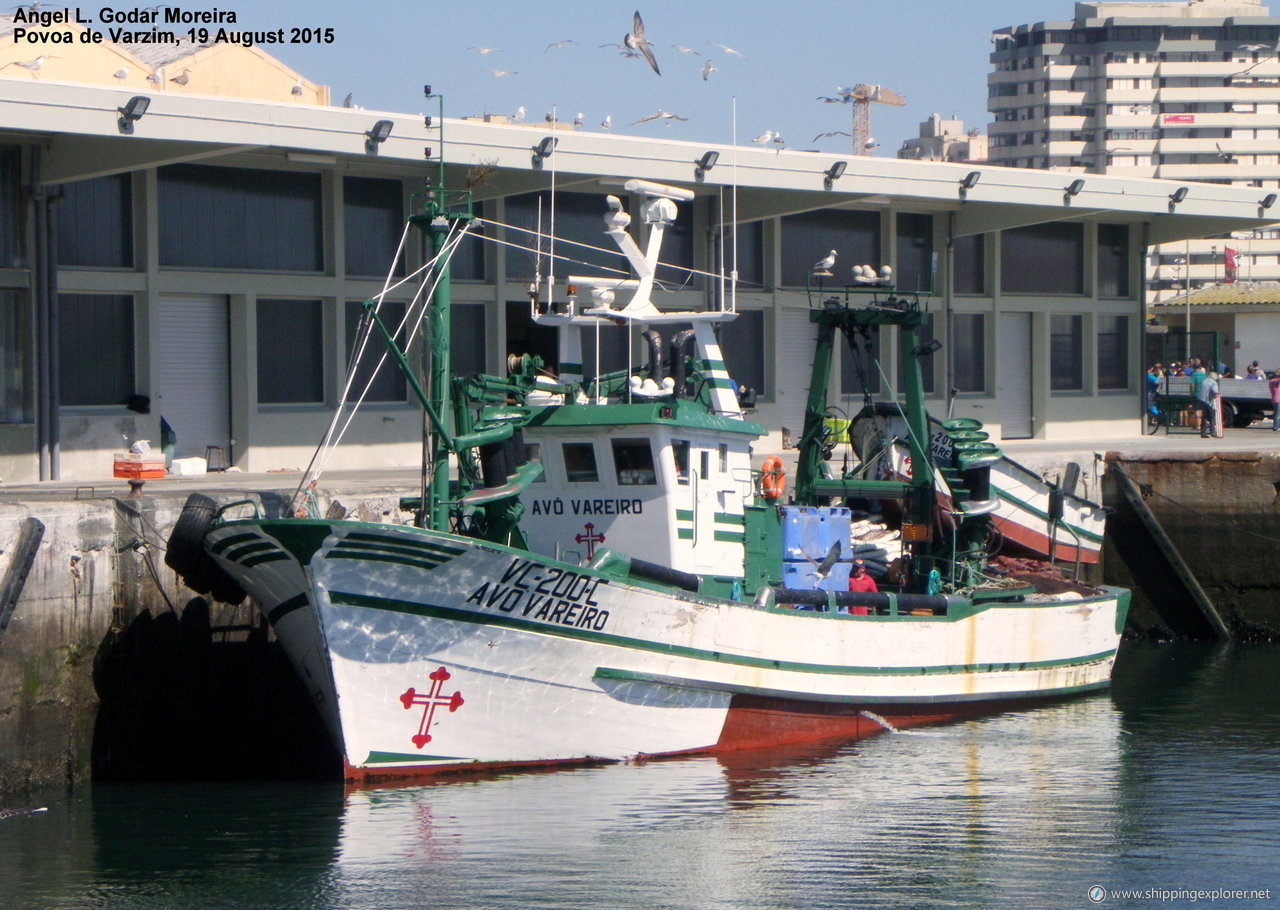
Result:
[[32, 65], [635, 41], [729, 50], [831, 134], [498, 74], [565, 43], [486, 50], [707, 69], [823, 266], [607, 122], [765, 138], [680, 48], [660, 115]]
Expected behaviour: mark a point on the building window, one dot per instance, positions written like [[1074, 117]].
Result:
[[373, 221], [1066, 353], [807, 237], [1113, 352], [580, 462], [969, 260], [742, 344], [969, 352], [1113, 260], [467, 263], [1042, 259], [749, 256], [579, 217], [633, 462], [860, 365], [290, 352], [469, 341], [915, 252], [15, 358], [10, 217], [377, 375], [101, 324], [95, 223], [928, 364], [238, 218]]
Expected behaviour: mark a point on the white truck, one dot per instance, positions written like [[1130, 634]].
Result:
[[1243, 400]]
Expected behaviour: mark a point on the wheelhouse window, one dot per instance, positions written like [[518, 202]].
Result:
[[680, 452], [580, 462], [633, 462]]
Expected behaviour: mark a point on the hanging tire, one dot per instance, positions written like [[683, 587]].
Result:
[[186, 540], [187, 556]]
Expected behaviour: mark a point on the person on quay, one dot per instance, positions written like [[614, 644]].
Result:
[[1207, 395], [1275, 400]]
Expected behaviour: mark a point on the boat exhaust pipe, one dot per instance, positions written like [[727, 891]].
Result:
[[655, 354], [681, 346]]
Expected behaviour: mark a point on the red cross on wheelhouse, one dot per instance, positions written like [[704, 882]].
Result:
[[431, 699], [591, 538]]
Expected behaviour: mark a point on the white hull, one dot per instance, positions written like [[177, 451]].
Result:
[[538, 662]]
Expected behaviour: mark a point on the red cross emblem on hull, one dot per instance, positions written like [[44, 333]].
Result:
[[432, 699], [591, 538]]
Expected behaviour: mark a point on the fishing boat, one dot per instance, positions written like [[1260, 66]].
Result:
[[608, 576], [1034, 516]]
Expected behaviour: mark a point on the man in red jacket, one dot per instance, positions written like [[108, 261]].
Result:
[[859, 580]]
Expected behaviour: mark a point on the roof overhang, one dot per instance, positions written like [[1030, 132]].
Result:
[[78, 126]]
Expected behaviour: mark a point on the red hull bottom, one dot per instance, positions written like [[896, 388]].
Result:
[[753, 724]]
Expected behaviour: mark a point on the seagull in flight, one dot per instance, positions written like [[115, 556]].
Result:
[[707, 69], [680, 48], [830, 134], [822, 569], [635, 41], [32, 65], [485, 50], [498, 74], [565, 43], [660, 115], [823, 265], [729, 50]]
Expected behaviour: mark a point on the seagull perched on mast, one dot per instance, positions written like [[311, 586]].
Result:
[[823, 265], [635, 41]]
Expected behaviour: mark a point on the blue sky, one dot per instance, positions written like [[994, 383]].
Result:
[[935, 52]]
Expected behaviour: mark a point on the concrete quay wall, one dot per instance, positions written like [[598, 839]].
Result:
[[108, 661], [1221, 510]]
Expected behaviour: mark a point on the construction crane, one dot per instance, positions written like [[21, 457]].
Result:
[[861, 96]]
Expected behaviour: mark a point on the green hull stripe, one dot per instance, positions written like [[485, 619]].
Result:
[[382, 542], [397, 558], [729, 536], [297, 602], [684, 533], [228, 542], [705, 685], [636, 644], [400, 758], [272, 556]]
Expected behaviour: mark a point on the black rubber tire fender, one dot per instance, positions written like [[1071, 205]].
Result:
[[186, 540]]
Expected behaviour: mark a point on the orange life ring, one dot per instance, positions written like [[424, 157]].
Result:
[[773, 480]]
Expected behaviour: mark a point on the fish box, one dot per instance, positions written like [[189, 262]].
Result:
[[139, 467], [809, 531]]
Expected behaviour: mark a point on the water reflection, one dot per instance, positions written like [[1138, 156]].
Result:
[[1167, 782]]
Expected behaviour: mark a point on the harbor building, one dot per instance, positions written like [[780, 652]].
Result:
[[196, 258], [1187, 91]]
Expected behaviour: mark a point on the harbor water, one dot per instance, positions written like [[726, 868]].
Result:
[[1161, 792]]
